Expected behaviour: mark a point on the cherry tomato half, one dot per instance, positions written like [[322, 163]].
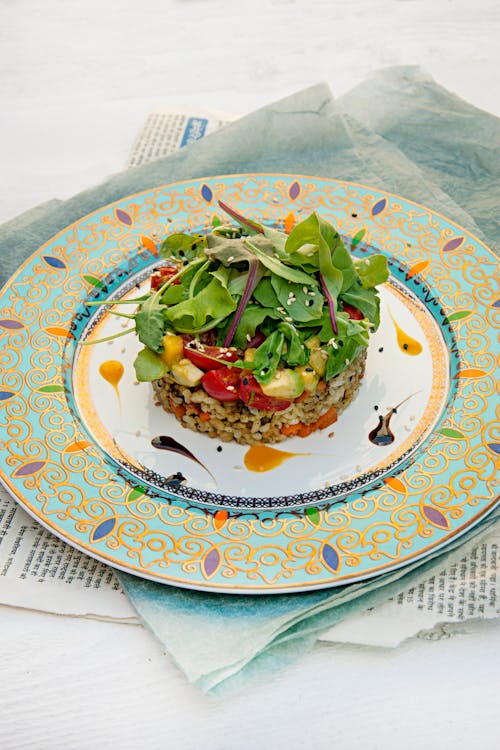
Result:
[[162, 275], [223, 383], [352, 311], [252, 394], [209, 357]]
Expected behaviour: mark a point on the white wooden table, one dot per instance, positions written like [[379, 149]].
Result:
[[78, 80]]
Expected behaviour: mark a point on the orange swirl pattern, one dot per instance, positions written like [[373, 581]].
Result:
[[59, 475]]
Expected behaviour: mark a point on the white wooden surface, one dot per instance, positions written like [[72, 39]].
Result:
[[77, 81]]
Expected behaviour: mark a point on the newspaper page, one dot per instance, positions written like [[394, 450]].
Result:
[[466, 589], [168, 129], [39, 571]]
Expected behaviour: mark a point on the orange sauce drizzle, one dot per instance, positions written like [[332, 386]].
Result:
[[263, 458], [112, 372], [406, 343]]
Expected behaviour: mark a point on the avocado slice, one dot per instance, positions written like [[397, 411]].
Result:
[[309, 376], [287, 384]]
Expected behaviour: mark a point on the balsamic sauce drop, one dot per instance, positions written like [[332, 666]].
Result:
[[382, 434], [167, 443]]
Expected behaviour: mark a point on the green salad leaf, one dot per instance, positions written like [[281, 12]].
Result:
[[248, 280], [149, 323], [149, 366], [207, 308], [372, 270]]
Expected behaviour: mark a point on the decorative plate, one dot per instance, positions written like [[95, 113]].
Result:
[[409, 465]]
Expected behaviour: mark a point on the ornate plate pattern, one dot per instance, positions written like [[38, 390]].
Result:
[[61, 460]]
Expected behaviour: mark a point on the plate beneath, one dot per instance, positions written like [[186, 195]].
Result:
[[77, 452]]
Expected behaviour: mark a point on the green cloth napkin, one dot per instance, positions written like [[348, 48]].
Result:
[[400, 132]]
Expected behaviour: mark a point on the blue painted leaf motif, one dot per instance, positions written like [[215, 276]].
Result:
[[294, 190], [435, 517], [453, 244], [4, 395], [379, 206], [330, 557], [103, 529], [11, 324], [30, 468], [123, 216], [211, 562], [206, 193], [54, 262], [497, 303], [495, 447]]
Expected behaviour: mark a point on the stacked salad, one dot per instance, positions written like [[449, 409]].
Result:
[[248, 312]]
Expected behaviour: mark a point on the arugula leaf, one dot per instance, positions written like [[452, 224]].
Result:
[[182, 246], [173, 294], [149, 366], [227, 250], [265, 294], [267, 357], [212, 303], [149, 323], [278, 240], [372, 270], [346, 328], [342, 260], [251, 226], [252, 281], [297, 352], [253, 316], [339, 359], [277, 267], [302, 306], [366, 300]]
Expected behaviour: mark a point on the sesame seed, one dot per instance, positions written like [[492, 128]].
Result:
[[231, 388], [331, 434], [304, 289], [230, 259], [347, 361], [248, 337], [289, 320]]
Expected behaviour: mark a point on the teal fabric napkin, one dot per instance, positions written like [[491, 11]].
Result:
[[399, 131]]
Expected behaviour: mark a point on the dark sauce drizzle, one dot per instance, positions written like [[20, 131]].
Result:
[[167, 443], [382, 433]]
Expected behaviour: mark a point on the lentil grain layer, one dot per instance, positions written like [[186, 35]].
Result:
[[234, 421]]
